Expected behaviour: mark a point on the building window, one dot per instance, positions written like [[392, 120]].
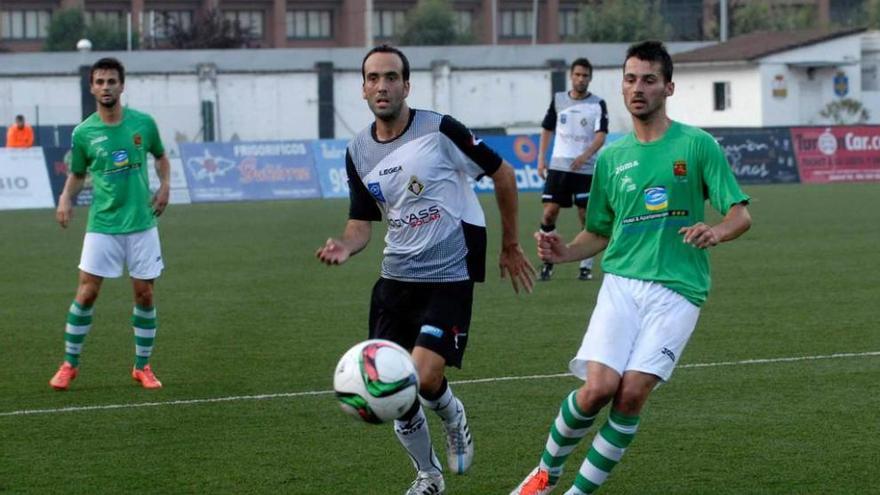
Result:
[[464, 21], [24, 24], [388, 23], [113, 18], [309, 24], [568, 23], [250, 20], [722, 95], [516, 23], [161, 22]]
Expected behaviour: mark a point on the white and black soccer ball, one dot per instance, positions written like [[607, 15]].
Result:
[[376, 381]]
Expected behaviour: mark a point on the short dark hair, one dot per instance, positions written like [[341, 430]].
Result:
[[108, 64], [583, 62], [651, 51], [385, 48], [19, 118]]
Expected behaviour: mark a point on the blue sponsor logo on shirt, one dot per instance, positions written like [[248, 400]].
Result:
[[656, 198], [376, 190], [432, 330], [562, 118], [120, 158]]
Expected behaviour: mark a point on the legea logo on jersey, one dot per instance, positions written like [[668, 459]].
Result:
[[376, 190], [120, 158], [656, 198], [562, 118]]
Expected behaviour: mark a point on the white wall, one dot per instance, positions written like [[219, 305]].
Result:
[[172, 100], [694, 99], [58, 99], [267, 106]]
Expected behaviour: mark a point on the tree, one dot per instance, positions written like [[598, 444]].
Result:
[[432, 22], [759, 16], [621, 21], [69, 26], [872, 13], [211, 30], [845, 112]]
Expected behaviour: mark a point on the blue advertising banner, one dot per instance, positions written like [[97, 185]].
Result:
[[759, 155], [330, 164], [258, 170], [522, 153]]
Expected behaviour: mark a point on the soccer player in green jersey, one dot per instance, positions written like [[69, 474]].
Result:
[[646, 211], [112, 145]]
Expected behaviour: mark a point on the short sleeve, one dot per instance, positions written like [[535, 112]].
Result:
[[718, 179], [362, 204], [602, 123], [470, 149], [549, 122], [78, 157], [600, 216], [156, 147]]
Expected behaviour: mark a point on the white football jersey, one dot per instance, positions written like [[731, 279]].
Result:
[[575, 123], [419, 181]]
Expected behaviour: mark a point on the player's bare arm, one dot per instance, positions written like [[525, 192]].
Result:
[[546, 137], [162, 195], [512, 261], [734, 224], [354, 238], [552, 249], [72, 186]]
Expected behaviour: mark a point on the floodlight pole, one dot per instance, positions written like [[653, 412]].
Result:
[[368, 23], [534, 22], [722, 20]]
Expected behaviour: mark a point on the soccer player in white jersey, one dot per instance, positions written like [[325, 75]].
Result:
[[413, 167], [647, 212], [579, 120]]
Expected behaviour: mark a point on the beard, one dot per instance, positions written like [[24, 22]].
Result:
[[387, 114], [108, 103]]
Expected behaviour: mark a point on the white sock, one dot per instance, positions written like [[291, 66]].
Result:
[[415, 438], [446, 406], [587, 263]]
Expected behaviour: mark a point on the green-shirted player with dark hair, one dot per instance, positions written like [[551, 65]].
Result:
[[646, 211], [112, 145]]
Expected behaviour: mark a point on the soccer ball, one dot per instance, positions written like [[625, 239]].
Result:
[[376, 381]]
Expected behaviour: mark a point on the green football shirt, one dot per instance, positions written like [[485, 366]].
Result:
[[643, 193], [116, 158]]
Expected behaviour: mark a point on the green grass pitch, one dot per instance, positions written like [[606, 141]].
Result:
[[245, 310]]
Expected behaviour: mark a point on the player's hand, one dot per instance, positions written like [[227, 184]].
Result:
[[513, 262], [578, 163], [334, 252], [160, 199], [550, 247], [700, 235], [542, 170], [64, 212]]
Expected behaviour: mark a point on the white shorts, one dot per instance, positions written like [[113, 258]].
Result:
[[636, 325], [105, 255]]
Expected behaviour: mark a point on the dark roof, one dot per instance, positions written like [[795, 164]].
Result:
[[752, 46]]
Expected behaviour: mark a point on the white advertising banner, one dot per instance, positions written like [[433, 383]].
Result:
[[179, 189], [24, 182]]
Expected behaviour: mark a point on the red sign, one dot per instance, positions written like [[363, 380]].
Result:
[[837, 154]]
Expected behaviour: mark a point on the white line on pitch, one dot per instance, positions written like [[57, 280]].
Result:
[[25, 412]]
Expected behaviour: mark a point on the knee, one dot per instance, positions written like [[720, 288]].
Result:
[[143, 296], [593, 396], [430, 380], [631, 399], [87, 293]]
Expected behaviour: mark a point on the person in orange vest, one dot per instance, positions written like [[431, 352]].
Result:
[[19, 135]]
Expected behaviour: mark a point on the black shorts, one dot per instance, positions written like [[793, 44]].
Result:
[[565, 188], [435, 316]]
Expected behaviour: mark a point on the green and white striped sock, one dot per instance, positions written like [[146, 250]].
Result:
[[570, 426], [607, 450], [144, 322], [79, 322]]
